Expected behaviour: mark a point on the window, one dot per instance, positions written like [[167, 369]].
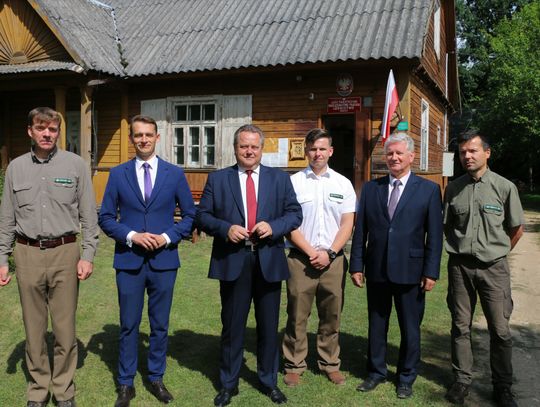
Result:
[[424, 136], [194, 134], [437, 30]]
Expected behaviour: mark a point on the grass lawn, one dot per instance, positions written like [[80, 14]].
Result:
[[192, 374]]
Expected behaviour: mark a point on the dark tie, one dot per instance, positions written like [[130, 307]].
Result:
[[251, 200], [394, 198], [147, 182]]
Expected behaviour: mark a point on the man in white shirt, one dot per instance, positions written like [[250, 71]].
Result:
[[316, 261]]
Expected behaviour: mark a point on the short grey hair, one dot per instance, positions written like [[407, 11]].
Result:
[[398, 138], [250, 128]]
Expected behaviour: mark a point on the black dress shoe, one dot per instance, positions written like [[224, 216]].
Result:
[[404, 390], [36, 403], [67, 403], [159, 390], [125, 394], [369, 384], [276, 396], [224, 396]]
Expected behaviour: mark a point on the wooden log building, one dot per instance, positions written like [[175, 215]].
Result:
[[203, 68]]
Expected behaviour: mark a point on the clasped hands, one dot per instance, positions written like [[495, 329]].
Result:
[[239, 233], [148, 241]]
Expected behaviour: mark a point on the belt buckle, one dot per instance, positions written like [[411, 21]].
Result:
[[251, 245], [41, 247]]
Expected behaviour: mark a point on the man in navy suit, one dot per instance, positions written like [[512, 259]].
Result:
[[248, 208], [138, 213], [397, 245]]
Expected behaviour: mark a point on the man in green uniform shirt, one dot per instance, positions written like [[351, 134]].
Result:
[[48, 197], [483, 221]]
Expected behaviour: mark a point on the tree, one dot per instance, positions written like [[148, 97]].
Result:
[[513, 93], [476, 20]]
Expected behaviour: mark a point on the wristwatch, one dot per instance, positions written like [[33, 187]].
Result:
[[331, 255]]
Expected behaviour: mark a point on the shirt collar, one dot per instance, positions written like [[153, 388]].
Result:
[[242, 170], [483, 178], [403, 179], [152, 161], [310, 174], [38, 160]]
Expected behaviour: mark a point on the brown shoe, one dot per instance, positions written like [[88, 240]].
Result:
[[291, 379], [336, 377]]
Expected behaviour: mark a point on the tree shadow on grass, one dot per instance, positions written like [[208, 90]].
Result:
[[18, 355]]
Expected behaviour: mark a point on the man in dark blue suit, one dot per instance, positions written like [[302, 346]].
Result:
[[397, 244], [248, 208], [138, 213]]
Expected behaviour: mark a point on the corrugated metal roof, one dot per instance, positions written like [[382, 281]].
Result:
[[186, 35], [173, 36], [89, 29], [40, 66]]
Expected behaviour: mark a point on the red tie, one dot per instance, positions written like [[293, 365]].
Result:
[[251, 200]]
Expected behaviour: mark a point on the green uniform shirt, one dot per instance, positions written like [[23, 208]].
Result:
[[478, 214], [48, 199]]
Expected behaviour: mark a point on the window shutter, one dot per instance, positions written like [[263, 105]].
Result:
[[157, 109], [236, 112]]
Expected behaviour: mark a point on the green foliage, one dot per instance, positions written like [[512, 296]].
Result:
[[194, 335], [513, 119], [476, 20]]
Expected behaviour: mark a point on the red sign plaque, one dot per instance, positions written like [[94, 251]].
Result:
[[344, 105]]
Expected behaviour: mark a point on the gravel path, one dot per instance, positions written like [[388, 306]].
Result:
[[525, 324]]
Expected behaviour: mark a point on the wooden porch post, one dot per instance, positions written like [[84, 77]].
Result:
[[60, 106], [86, 124], [124, 126]]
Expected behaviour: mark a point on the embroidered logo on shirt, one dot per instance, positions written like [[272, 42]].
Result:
[[63, 180], [339, 196], [493, 208]]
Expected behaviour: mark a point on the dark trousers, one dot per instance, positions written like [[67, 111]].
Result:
[[468, 277], [409, 301], [236, 297], [132, 284]]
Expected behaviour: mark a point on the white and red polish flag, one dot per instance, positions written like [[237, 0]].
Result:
[[390, 106]]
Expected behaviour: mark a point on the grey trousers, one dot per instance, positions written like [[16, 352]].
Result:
[[48, 284], [468, 279]]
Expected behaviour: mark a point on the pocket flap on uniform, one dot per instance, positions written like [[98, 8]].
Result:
[[416, 252]]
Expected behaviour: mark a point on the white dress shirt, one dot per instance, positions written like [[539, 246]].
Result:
[[242, 175], [403, 180], [139, 170], [324, 199]]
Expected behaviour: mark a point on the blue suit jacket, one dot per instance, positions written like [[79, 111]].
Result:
[[123, 209], [403, 249], [221, 207]]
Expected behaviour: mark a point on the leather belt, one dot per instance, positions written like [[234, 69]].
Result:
[[252, 247], [47, 243]]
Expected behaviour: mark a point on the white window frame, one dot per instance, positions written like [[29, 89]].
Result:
[[201, 124], [424, 136], [437, 30]]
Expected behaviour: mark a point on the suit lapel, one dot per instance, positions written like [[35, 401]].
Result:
[[131, 176], [236, 192], [383, 195], [161, 176], [263, 190], [408, 192]]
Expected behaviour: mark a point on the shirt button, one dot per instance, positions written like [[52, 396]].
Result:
[[43, 178], [43, 206]]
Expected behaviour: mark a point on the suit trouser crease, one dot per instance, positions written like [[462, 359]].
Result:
[[305, 285], [236, 297], [410, 303], [131, 285], [467, 279], [48, 283]]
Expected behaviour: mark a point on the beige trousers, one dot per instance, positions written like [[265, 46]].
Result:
[[48, 283], [326, 288]]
